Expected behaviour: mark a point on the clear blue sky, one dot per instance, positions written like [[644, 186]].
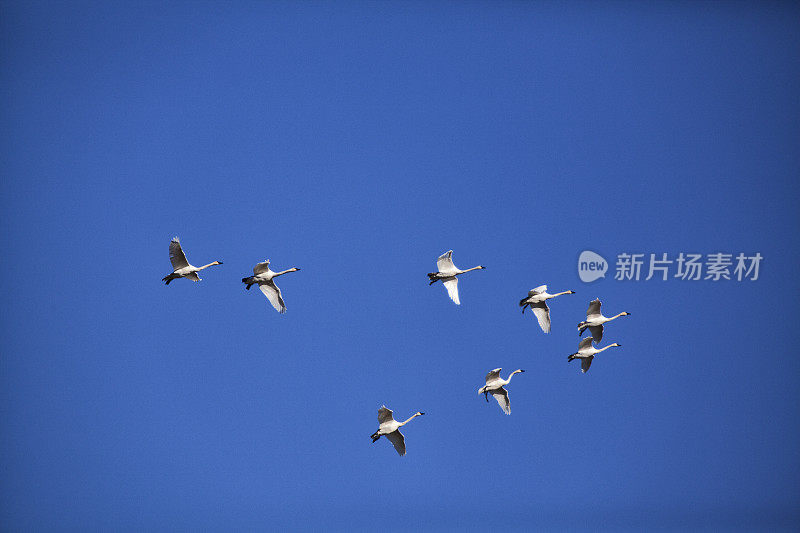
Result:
[[359, 141]]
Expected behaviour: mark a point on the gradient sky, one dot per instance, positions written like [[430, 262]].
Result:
[[358, 141]]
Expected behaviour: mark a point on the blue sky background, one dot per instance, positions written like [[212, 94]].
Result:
[[359, 141]]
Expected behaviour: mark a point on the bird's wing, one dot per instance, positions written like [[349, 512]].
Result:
[[192, 276], [398, 441], [594, 308], [585, 343], [273, 294], [538, 290], [501, 395], [445, 262], [384, 415], [586, 362], [261, 267], [176, 255], [452, 289], [542, 313], [493, 375], [597, 333]]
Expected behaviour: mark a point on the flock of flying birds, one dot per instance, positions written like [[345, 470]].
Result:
[[448, 274]]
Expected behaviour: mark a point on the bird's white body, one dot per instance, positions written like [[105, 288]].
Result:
[[181, 267], [447, 274], [537, 299], [262, 275], [595, 320], [390, 428], [494, 386], [586, 353]]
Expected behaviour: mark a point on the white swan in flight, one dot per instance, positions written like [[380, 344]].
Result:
[[390, 428], [586, 353], [263, 276], [595, 320], [537, 300], [447, 274], [180, 266], [494, 386]]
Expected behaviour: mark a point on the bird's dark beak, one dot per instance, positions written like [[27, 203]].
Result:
[[521, 370], [220, 262], [421, 413]]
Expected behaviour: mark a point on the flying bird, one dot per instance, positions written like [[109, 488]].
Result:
[[447, 274], [537, 300], [586, 353], [390, 428], [180, 266], [263, 277], [494, 386], [595, 320]]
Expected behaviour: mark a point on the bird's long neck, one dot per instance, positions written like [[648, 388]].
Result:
[[512, 375], [208, 265], [606, 348], [470, 269], [560, 293], [409, 420], [615, 316], [281, 273]]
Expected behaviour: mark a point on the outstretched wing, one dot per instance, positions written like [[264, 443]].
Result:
[[594, 308], [273, 294], [542, 313], [597, 333], [501, 395], [176, 255], [445, 262], [398, 441], [261, 267], [493, 375], [585, 343], [192, 276], [452, 289], [384, 415], [538, 290], [586, 362]]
